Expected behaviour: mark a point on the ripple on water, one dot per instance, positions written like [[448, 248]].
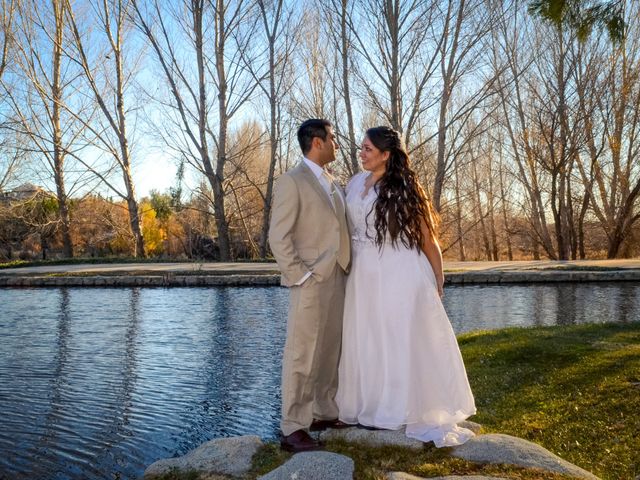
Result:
[[99, 383]]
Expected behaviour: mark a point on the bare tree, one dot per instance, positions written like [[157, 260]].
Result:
[[502, 173], [491, 202], [38, 105], [248, 163], [338, 13], [58, 152], [477, 200], [9, 159], [224, 26], [275, 81], [610, 167], [7, 21], [556, 139], [311, 97], [394, 68], [458, 211], [234, 89], [465, 33], [112, 19], [509, 45], [415, 61]]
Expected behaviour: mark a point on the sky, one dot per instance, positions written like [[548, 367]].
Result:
[[154, 172]]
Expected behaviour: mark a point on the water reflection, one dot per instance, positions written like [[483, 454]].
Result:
[[48, 440], [480, 307], [117, 429], [99, 383]]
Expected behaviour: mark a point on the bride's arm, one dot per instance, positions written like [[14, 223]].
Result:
[[431, 249]]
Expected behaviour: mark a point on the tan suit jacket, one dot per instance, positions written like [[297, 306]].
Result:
[[305, 235], [305, 231]]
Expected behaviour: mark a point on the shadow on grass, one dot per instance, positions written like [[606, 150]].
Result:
[[572, 389]]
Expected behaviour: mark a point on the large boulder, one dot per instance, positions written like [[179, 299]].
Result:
[[313, 466], [374, 438], [498, 448], [473, 426], [221, 456], [378, 438]]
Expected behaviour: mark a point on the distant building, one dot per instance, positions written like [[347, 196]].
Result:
[[23, 192]]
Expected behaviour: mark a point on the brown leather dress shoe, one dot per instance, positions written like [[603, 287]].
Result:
[[321, 425], [299, 441]]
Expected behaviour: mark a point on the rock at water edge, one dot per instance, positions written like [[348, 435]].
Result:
[[223, 456], [313, 466]]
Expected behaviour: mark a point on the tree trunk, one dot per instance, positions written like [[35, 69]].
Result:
[[503, 202], [116, 120], [583, 211], [395, 92], [561, 161], [222, 224], [536, 249], [132, 204], [353, 151], [478, 201], [459, 231], [273, 144], [58, 153], [492, 221], [273, 130], [447, 78]]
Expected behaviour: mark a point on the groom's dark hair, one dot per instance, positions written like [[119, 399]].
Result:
[[314, 127]]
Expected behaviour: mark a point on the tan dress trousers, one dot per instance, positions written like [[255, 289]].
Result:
[[312, 352]]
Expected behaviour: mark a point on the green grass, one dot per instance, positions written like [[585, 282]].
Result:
[[574, 390], [373, 463], [175, 474]]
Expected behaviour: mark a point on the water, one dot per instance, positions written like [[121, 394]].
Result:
[[488, 307], [100, 383]]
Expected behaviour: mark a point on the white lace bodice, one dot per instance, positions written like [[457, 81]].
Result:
[[358, 208]]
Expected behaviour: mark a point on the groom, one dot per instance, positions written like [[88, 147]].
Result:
[[310, 241]]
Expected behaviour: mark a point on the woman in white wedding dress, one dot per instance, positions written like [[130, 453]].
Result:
[[400, 363]]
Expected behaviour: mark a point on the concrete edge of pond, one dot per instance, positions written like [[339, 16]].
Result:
[[171, 279], [166, 280]]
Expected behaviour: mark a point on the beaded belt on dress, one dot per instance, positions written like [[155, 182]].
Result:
[[366, 241]]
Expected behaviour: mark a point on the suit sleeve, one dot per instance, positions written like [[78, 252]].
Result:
[[284, 213]]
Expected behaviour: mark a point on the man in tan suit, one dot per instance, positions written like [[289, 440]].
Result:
[[310, 241]]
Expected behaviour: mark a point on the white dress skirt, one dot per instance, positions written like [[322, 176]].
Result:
[[400, 363]]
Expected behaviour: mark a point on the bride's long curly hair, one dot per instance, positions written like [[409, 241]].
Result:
[[401, 202]]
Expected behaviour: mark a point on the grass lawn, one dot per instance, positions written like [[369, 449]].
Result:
[[574, 390]]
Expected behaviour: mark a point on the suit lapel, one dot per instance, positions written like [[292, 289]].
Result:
[[340, 191], [315, 184]]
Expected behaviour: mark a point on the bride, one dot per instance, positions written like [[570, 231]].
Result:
[[400, 363]]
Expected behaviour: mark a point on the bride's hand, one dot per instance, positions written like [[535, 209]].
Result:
[[441, 288]]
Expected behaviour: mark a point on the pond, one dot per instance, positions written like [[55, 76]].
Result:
[[99, 383]]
